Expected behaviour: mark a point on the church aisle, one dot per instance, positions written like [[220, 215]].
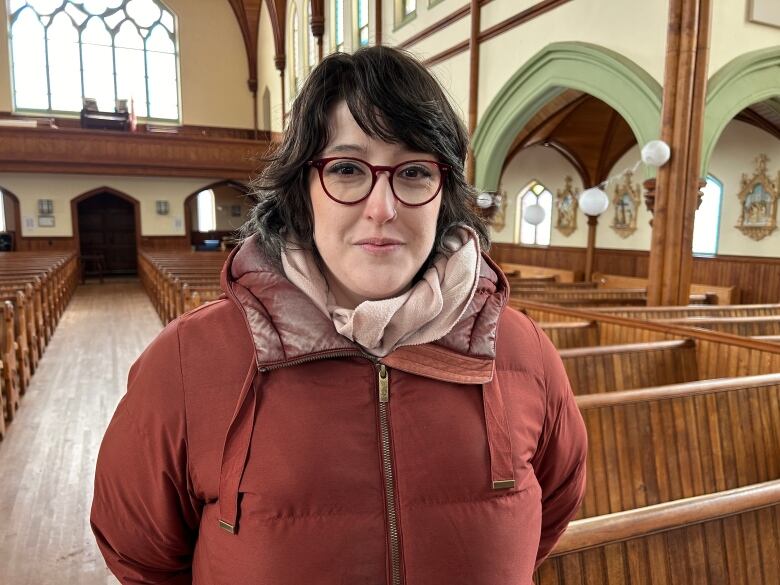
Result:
[[47, 459]]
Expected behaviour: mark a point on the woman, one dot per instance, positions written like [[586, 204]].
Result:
[[361, 407]]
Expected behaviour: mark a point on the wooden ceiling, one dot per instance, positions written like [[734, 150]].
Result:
[[585, 130]]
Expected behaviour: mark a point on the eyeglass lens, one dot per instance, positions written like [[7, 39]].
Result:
[[350, 180]]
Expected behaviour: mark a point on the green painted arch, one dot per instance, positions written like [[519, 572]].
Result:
[[598, 71], [746, 80]]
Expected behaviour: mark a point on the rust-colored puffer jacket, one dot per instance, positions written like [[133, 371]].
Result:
[[257, 446]]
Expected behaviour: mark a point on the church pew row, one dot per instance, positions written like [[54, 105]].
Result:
[[34, 290], [718, 354], [721, 295], [570, 334], [610, 368], [575, 297], [656, 313], [665, 443], [729, 537], [170, 278]]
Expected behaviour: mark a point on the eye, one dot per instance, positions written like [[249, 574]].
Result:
[[415, 172], [344, 168]]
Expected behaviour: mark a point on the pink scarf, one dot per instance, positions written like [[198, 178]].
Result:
[[424, 313]]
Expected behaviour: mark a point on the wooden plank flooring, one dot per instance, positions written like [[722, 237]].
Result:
[[47, 459]]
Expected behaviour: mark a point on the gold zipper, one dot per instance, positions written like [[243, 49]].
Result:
[[384, 399]]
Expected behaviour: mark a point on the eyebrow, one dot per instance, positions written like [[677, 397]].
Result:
[[345, 148]]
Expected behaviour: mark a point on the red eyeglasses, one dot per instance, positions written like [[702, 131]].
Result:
[[349, 180]]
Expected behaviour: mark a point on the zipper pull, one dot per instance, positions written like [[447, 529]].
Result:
[[384, 384]]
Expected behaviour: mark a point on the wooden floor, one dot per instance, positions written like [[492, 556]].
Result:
[[47, 459]]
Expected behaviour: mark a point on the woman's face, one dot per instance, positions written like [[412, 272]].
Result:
[[355, 269]]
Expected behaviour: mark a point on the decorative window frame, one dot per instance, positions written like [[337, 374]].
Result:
[[11, 18], [356, 24]]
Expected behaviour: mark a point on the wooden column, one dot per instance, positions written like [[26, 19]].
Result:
[[590, 252], [685, 85], [473, 83], [378, 23], [317, 25], [252, 83]]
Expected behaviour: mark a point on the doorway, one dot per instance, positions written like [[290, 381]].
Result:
[[107, 229]]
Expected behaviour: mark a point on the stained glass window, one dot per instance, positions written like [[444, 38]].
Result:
[[338, 33], [362, 22], [296, 52], [65, 50], [706, 224], [312, 41], [526, 233]]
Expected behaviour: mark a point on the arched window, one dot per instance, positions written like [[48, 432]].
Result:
[[295, 77], [338, 25], [2, 211], [312, 58], [65, 50], [706, 224], [207, 211], [526, 233], [362, 22], [405, 10]]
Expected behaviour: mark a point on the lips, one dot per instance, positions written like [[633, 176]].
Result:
[[379, 242], [378, 246]]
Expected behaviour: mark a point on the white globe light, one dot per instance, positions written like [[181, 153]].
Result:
[[656, 153], [593, 201], [534, 214], [484, 200]]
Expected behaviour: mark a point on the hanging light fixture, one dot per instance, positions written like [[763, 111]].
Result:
[[593, 201], [656, 153], [534, 214]]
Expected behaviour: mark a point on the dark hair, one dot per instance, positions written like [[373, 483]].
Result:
[[392, 97]]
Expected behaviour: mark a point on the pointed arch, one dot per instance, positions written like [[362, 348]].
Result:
[[598, 71], [746, 80]]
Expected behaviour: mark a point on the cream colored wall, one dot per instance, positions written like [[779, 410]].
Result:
[[734, 35], [549, 168], [61, 189], [735, 154], [212, 63], [224, 199], [635, 29]]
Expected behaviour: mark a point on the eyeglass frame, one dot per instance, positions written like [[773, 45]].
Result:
[[320, 163]]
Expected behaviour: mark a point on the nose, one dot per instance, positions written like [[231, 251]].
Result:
[[380, 204]]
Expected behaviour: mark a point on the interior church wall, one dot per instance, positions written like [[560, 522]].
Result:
[[268, 75], [212, 63], [734, 35], [224, 199], [735, 154], [61, 189], [549, 168]]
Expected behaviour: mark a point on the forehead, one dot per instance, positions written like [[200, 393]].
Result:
[[347, 137]]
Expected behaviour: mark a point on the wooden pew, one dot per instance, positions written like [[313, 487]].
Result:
[[8, 352], [670, 442], [748, 326], [627, 366], [728, 538], [571, 334]]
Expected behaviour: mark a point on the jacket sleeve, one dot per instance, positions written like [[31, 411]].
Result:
[[559, 462], [144, 516]]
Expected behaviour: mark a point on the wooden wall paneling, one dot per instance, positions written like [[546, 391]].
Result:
[[42, 244], [159, 243]]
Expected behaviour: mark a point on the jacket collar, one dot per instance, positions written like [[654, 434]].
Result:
[[286, 327]]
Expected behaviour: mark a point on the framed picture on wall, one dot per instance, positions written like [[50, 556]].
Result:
[[764, 12], [45, 221], [235, 211]]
